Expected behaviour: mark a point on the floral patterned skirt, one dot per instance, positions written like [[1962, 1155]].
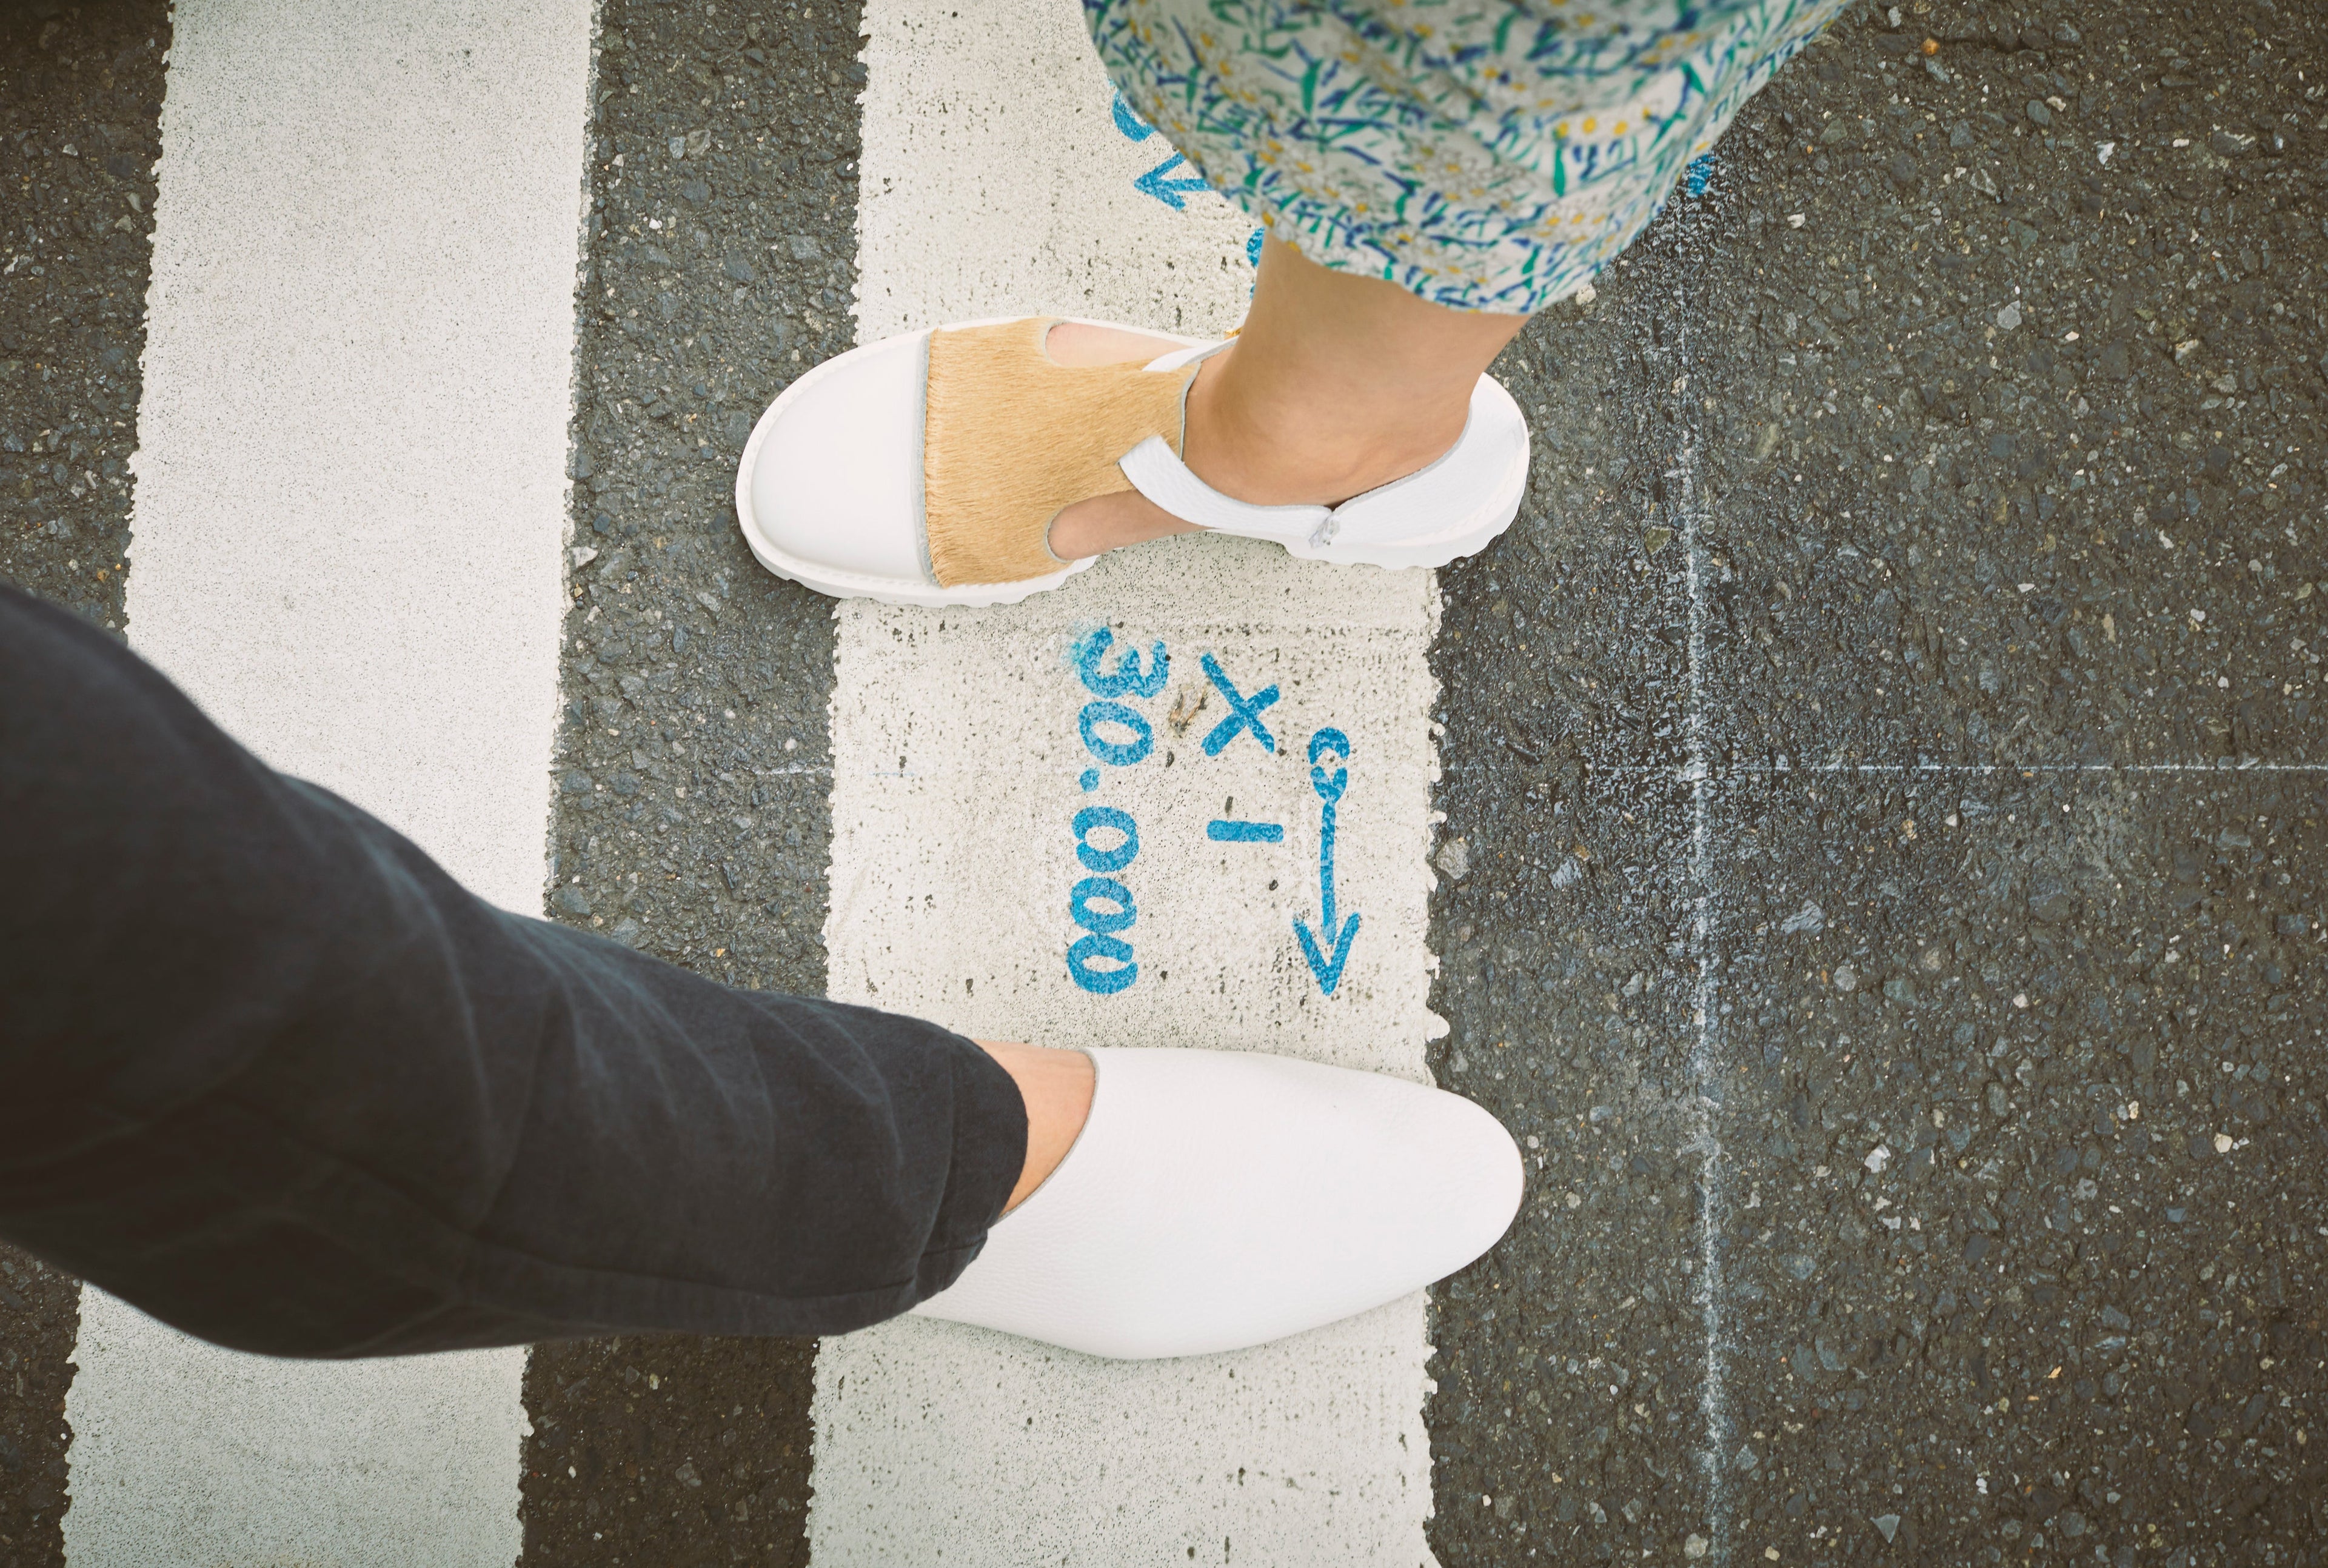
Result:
[[1487, 154]]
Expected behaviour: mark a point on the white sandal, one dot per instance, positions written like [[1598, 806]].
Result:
[[1218, 1200], [925, 469]]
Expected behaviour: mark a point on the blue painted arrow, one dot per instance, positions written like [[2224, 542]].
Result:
[[1330, 788], [1169, 191]]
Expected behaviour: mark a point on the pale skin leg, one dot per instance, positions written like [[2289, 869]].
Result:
[[1056, 1086], [1337, 384]]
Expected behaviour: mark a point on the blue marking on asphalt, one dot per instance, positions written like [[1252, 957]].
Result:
[[1224, 831], [1160, 184], [1128, 121], [1129, 680], [1244, 712], [1700, 173], [1103, 942], [1328, 956], [1169, 191], [1115, 753], [1101, 960], [1102, 982], [1157, 182], [1090, 819], [1106, 923]]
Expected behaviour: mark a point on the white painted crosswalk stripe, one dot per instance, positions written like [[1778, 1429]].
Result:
[[997, 174], [966, 745], [186, 1453], [349, 514]]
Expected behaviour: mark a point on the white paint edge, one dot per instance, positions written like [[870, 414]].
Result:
[[346, 546], [995, 183]]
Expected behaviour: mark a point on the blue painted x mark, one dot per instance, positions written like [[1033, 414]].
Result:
[[1244, 712]]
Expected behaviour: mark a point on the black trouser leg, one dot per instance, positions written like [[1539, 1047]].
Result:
[[269, 1073]]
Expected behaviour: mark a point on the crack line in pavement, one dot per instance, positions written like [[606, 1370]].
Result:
[[2028, 767], [1704, 1138], [1685, 773]]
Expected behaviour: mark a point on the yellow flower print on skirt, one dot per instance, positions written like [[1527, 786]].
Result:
[[1487, 154]]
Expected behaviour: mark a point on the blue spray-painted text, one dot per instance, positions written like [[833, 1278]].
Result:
[[1244, 712], [1107, 838]]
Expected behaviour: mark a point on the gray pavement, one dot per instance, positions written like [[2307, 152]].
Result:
[[1947, 493], [1884, 772], [694, 766]]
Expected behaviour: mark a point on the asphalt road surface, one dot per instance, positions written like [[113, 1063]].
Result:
[[1882, 874]]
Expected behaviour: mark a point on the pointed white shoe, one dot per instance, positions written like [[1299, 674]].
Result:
[[1218, 1200], [925, 469]]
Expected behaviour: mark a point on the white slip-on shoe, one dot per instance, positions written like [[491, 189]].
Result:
[[1218, 1200], [925, 469]]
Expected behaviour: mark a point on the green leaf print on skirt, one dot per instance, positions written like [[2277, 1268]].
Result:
[[1485, 154]]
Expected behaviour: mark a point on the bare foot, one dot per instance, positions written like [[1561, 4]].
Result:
[[1337, 385], [1107, 523]]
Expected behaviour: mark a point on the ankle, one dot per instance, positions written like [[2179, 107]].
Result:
[[1290, 444], [1056, 1087]]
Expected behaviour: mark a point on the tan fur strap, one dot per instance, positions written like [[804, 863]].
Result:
[[1010, 438]]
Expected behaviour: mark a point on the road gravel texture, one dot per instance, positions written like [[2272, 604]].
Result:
[[1971, 423], [691, 819], [1884, 777], [80, 91]]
